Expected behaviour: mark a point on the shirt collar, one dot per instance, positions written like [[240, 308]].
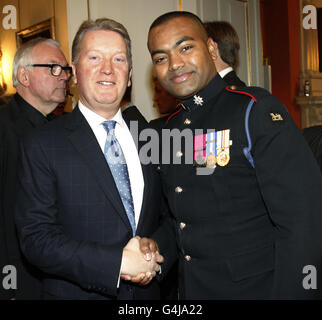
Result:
[[201, 98], [222, 73], [95, 120]]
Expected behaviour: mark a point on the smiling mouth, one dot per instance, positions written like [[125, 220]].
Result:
[[181, 78], [106, 83]]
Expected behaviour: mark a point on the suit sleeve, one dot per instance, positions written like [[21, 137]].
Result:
[[291, 186], [91, 265]]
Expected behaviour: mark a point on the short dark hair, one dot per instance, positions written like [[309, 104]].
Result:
[[176, 14], [99, 24], [224, 34]]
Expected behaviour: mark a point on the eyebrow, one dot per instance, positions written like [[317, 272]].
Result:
[[56, 62], [175, 45]]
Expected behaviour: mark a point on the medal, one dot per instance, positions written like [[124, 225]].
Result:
[[223, 158], [211, 161], [212, 148]]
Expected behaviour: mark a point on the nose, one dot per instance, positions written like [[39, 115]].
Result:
[[176, 62], [64, 75], [107, 66]]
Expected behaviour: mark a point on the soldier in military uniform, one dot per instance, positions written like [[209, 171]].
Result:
[[246, 213]]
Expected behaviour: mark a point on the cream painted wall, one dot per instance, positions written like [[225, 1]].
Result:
[[61, 26], [245, 18], [30, 13]]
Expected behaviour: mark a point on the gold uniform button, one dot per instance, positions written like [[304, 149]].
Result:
[[179, 154], [158, 168], [233, 87], [178, 189], [187, 257], [187, 121], [182, 225]]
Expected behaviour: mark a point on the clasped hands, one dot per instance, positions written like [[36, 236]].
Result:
[[140, 260]]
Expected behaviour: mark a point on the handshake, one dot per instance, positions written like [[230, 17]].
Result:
[[140, 260]]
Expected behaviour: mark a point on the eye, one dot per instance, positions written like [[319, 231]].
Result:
[[120, 59], [186, 48], [159, 60], [94, 58]]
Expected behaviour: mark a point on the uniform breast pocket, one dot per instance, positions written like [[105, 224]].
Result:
[[252, 263]]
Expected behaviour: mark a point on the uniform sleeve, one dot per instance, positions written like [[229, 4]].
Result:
[[291, 186], [43, 241], [165, 237]]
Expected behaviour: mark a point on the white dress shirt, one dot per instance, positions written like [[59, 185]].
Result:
[[125, 139], [222, 73]]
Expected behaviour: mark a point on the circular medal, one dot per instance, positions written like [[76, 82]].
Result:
[[223, 158], [211, 161]]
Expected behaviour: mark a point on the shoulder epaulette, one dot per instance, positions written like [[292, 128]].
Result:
[[234, 90], [256, 93], [173, 114]]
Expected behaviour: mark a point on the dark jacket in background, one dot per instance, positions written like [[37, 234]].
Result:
[[313, 136], [232, 79], [16, 119]]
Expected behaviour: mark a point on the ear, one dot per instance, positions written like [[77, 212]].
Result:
[[23, 76], [130, 78], [213, 49], [74, 73]]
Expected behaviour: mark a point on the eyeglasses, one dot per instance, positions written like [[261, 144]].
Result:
[[55, 69]]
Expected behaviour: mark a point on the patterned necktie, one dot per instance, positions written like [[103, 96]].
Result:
[[115, 158]]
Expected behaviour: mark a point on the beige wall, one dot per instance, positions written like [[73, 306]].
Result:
[[30, 13]]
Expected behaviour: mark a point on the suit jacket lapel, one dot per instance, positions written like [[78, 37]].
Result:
[[84, 140]]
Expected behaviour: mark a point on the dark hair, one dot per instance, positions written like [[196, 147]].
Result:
[[224, 34], [99, 24], [176, 14]]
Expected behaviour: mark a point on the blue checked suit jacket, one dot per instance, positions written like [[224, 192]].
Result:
[[69, 215]]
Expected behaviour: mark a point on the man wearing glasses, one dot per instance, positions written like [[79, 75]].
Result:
[[40, 75]]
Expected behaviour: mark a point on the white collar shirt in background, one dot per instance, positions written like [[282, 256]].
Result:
[[222, 73]]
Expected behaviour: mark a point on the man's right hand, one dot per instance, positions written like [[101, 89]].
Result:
[[134, 262]]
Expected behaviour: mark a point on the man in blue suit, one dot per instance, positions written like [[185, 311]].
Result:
[[78, 209]]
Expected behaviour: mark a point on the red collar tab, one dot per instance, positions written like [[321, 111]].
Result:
[[173, 114]]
